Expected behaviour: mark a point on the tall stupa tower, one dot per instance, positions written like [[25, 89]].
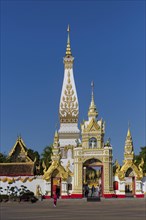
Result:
[[69, 132]]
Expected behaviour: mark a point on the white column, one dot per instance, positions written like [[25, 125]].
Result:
[[138, 187], [64, 188], [48, 188]]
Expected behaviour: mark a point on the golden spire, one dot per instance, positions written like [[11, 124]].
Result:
[[56, 140], [68, 48], [129, 150], [128, 132], [92, 109]]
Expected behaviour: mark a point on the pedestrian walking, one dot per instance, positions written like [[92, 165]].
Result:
[[92, 191], [55, 199]]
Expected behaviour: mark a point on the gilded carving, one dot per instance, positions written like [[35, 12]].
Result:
[[93, 126], [68, 64], [56, 165], [140, 166], [117, 167], [68, 170], [69, 104], [130, 164]]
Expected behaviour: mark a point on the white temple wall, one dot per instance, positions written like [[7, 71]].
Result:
[[144, 185], [47, 188], [30, 185], [138, 187], [121, 186]]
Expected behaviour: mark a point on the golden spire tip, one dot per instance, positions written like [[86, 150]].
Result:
[[92, 85], [68, 49], [68, 28], [128, 132]]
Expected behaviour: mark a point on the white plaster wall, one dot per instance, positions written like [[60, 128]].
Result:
[[65, 161], [30, 185], [65, 142], [47, 188], [144, 185], [140, 185], [69, 128], [121, 189]]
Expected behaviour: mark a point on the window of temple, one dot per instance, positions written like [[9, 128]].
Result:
[[92, 143]]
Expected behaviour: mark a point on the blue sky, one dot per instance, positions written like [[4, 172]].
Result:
[[108, 43]]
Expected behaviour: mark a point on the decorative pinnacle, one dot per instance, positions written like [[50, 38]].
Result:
[[68, 49], [56, 139], [92, 109], [92, 96], [128, 132], [92, 85]]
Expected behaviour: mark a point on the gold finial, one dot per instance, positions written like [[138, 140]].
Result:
[[92, 86], [68, 49], [128, 132], [92, 109], [129, 149], [19, 137], [56, 139], [56, 136]]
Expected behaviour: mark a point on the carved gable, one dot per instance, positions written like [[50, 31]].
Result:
[[93, 126], [19, 152]]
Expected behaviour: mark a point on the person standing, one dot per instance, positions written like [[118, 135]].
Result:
[[55, 199], [92, 190]]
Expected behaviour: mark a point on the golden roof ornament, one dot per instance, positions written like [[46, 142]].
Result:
[[92, 109], [56, 140], [128, 133], [69, 109], [68, 48], [129, 151]]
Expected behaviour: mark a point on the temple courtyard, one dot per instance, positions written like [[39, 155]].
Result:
[[111, 209]]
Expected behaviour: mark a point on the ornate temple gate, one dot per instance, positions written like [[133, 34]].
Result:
[[92, 176], [104, 161]]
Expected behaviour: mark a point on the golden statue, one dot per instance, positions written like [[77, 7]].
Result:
[[117, 167]]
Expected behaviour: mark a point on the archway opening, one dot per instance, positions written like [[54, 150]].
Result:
[[92, 178], [129, 183]]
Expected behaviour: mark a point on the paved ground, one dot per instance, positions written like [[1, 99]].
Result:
[[111, 209]]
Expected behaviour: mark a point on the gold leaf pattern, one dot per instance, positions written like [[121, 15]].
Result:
[[69, 105]]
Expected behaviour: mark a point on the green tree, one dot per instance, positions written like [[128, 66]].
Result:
[[34, 155], [46, 156], [3, 158], [138, 157]]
